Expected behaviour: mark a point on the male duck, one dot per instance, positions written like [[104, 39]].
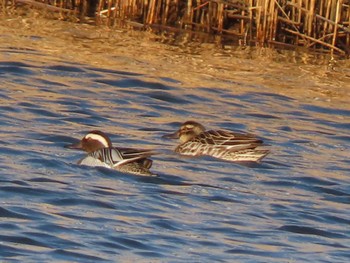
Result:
[[101, 153]]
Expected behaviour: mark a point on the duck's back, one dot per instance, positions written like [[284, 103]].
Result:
[[224, 145], [123, 159]]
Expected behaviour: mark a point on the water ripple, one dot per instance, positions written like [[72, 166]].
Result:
[[294, 206], [310, 231]]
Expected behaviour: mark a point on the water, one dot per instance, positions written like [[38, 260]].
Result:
[[293, 207]]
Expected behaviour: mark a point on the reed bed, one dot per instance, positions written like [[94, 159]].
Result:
[[318, 24]]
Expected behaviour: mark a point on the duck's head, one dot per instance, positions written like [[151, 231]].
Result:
[[187, 131], [92, 141]]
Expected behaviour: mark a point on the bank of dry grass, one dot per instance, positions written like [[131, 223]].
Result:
[[322, 25]]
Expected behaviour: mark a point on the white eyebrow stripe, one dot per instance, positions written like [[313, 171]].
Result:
[[97, 137]]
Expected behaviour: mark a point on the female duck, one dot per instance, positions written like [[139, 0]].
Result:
[[221, 144]]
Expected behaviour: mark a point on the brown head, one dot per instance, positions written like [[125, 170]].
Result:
[[188, 130], [92, 141]]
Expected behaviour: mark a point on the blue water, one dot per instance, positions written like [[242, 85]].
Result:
[[293, 207]]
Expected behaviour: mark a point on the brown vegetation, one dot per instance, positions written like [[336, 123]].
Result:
[[321, 24]]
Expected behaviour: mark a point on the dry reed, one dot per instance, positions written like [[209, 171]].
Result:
[[321, 24]]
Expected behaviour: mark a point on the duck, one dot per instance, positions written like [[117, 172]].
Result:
[[231, 146], [100, 152]]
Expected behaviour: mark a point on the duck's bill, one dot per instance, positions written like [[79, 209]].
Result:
[[74, 146], [174, 135]]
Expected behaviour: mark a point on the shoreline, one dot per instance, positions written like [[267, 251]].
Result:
[[193, 64]]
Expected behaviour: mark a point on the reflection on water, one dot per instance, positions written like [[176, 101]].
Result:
[[293, 207]]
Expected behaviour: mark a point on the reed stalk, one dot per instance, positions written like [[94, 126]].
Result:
[[189, 12], [348, 18], [317, 41], [98, 11], [220, 17], [250, 10], [209, 20], [311, 17], [327, 16], [337, 18], [118, 14], [258, 20], [241, 30], [265, 23], [166, 11]]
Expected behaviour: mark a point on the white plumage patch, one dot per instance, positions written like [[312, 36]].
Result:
[[97, 137], [91, 161]]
